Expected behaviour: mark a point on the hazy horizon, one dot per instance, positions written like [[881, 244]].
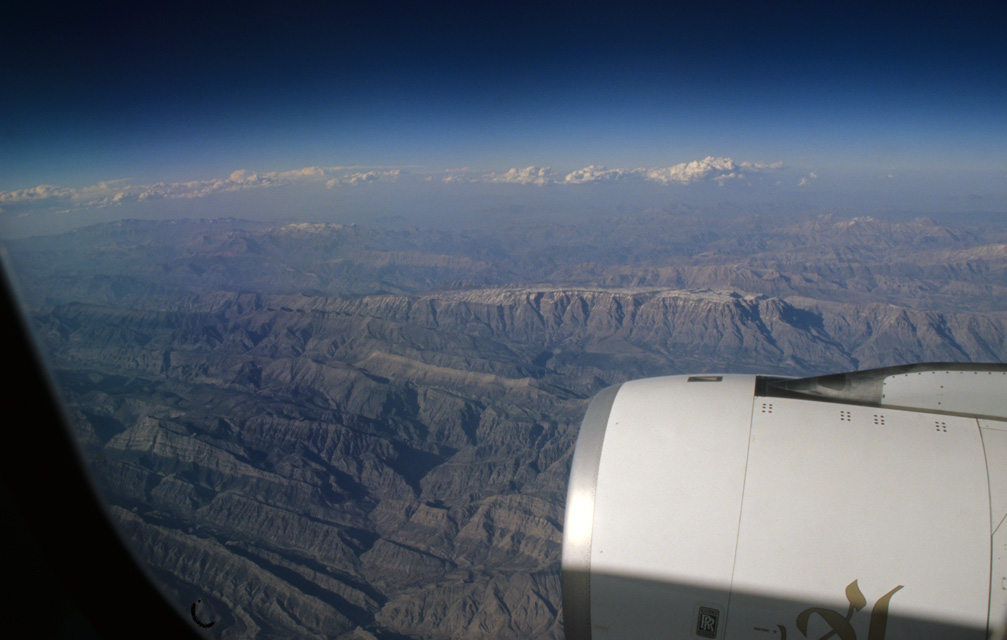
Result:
[[447, 111]]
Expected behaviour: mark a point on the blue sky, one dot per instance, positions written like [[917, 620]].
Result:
[[848, 94]]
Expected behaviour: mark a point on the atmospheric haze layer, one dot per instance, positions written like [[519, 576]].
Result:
[[361, 113]]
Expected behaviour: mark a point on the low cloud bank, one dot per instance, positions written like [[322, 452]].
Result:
[[119, 191], [709, 169], [116, 192]]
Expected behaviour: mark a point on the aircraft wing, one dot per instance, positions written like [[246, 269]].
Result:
[[866, 505]]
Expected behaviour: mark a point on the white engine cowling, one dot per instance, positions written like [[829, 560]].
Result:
[[867, 505]]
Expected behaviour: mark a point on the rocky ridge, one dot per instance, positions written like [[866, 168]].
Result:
[[336, 431]]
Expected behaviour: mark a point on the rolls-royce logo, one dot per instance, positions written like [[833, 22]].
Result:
[[706, 622]]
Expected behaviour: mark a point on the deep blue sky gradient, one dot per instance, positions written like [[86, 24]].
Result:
[[186, 92]]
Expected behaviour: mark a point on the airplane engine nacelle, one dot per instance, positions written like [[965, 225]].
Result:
[[866, 506]]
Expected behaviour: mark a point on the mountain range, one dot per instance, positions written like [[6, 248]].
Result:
[[327, 430]]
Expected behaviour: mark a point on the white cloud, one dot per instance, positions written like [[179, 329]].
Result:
[[242, 176], [117, 192], [41, 192], [807, 179], [529, 175], [455, 176], [597, 173], [361, 177], [306, 172], [114, 192], [709, 168]]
